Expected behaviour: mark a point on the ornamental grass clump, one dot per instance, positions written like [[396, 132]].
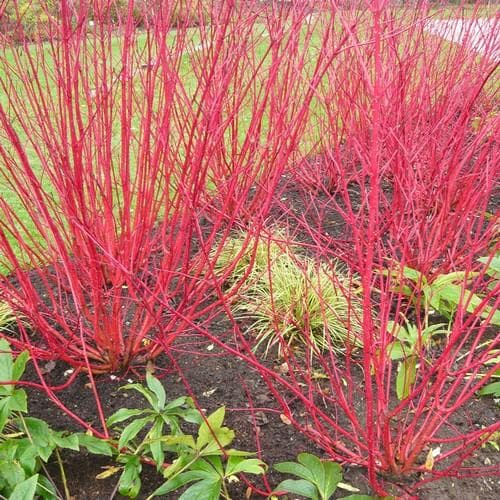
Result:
[[244, 257], [302, 303], [7, 318]]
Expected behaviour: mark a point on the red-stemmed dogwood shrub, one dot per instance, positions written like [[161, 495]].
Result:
[[128, 158], [128, 155], [401, 188]]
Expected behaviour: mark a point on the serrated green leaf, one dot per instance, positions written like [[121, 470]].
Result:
[[492, 389], [38, 429], [178, 482], [495, 318], [41, 436], [177, 403], [123, 414], [396, 351], [155, 444], [5, 364], [27, 454], [399, 331], [12, 472], [210, 426], [223, 437], [456, 293], [333, 476], [211, 466], [493, 268], [69, 442], [25, 490], [177, 465], [192, 416], [4, 411], [131, 431], [45, 489], [130, 480], [20, 365], [235, 465], [413, 275], [326, 474], [494, 263], [181, 440], [296, 469], [149, 395], [212, 436], [95, 445], [298, 487], [158, 390], [315, 467], [18, 401], [203, 490]]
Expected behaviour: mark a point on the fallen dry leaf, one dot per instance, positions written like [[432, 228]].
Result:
[[429, 461], [48, 367], [283, 368], [207, 394], [261, 418], [285, 419], [110, 471]]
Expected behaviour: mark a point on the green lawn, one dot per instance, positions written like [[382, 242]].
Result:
[[188, 82]]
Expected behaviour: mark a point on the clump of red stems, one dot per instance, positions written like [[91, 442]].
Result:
[[127, 157], [115, 144], [403, 177], [118, 144]]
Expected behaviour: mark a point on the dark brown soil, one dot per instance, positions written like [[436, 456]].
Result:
[[221, 380], [218, 379]]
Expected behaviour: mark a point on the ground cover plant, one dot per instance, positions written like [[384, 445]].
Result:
[[144, 171]]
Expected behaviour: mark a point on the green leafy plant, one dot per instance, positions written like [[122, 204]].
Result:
[[151, 422], [206, 462], [319, 479], [27, 443], [492, 440], [492, 269], [444, 293], [407, 348], [302, 302], [493, 388]]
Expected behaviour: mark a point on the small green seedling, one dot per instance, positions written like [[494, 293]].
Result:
[[151, 422], [206, 462], [407, 348], [319, 479], [445, 293]]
